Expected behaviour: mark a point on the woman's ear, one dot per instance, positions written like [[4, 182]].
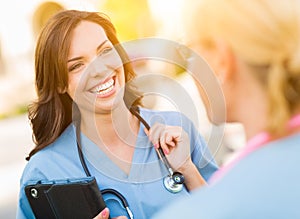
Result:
[[224, 62], [61, 90]]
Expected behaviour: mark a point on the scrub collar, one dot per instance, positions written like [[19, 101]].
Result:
[[258, 141]]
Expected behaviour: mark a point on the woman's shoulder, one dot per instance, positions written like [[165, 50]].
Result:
[[51, 160], [170, 117], [61, 145]]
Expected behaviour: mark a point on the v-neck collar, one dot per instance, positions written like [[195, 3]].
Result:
[[145, 165]]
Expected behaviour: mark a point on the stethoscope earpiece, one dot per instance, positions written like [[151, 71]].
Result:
[[174, 183]]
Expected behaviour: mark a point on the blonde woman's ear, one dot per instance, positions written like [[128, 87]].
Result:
[[225, 66]]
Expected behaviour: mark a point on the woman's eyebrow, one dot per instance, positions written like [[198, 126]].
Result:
[[79, 57], [101, 45]]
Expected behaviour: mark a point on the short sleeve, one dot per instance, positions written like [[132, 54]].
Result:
[[200, 153]]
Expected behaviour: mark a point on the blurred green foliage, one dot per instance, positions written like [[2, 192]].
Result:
[[18, 110]]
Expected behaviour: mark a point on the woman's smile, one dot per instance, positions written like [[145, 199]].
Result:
[[96, 71], [105, 89]]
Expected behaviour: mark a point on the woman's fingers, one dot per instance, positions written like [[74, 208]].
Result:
[[164, 136], [155, 133], [104, 214], [173, 140], [167, 141]]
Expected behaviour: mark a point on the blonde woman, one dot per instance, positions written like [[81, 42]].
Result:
[[254, 49]]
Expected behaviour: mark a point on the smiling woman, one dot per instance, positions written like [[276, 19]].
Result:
[[52, 78], [96, 89], [83, 123]]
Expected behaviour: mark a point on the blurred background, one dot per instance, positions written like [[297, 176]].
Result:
[[20, 24]]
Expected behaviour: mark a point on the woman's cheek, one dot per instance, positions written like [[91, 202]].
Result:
[[72, 87]]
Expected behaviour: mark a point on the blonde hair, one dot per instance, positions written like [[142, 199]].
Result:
[[265, 34]]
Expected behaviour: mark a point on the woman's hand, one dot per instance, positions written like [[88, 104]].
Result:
[[174, 141], [104, 214]]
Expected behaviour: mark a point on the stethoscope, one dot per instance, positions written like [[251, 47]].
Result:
[[173, 182]]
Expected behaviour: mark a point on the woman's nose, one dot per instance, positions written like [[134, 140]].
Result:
[[98, 68]]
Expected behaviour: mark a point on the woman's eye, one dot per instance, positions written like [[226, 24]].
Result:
[[106, 50], [75, 66]]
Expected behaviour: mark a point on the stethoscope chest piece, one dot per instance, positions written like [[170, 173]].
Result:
[[174, 183]]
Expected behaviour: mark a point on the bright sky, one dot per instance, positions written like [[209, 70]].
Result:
[[168, 11], [15, 28]]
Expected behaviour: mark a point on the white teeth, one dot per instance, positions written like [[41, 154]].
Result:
[[105, 88], [106, 91]]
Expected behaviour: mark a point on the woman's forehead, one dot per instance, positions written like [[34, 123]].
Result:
[[87, 36]]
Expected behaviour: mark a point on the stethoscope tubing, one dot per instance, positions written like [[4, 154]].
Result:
[[87, 172], [134, 111], [177, 186], [175, 181]]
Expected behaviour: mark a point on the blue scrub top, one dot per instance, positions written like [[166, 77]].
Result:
[[263, 185], [143, 187]]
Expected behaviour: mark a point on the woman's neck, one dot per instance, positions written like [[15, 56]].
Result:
[[251, 111], [249, 101], [292, 127], [111, 128], [115, 133]]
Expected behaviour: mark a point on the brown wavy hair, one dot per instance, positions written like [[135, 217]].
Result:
[[52, 112]]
